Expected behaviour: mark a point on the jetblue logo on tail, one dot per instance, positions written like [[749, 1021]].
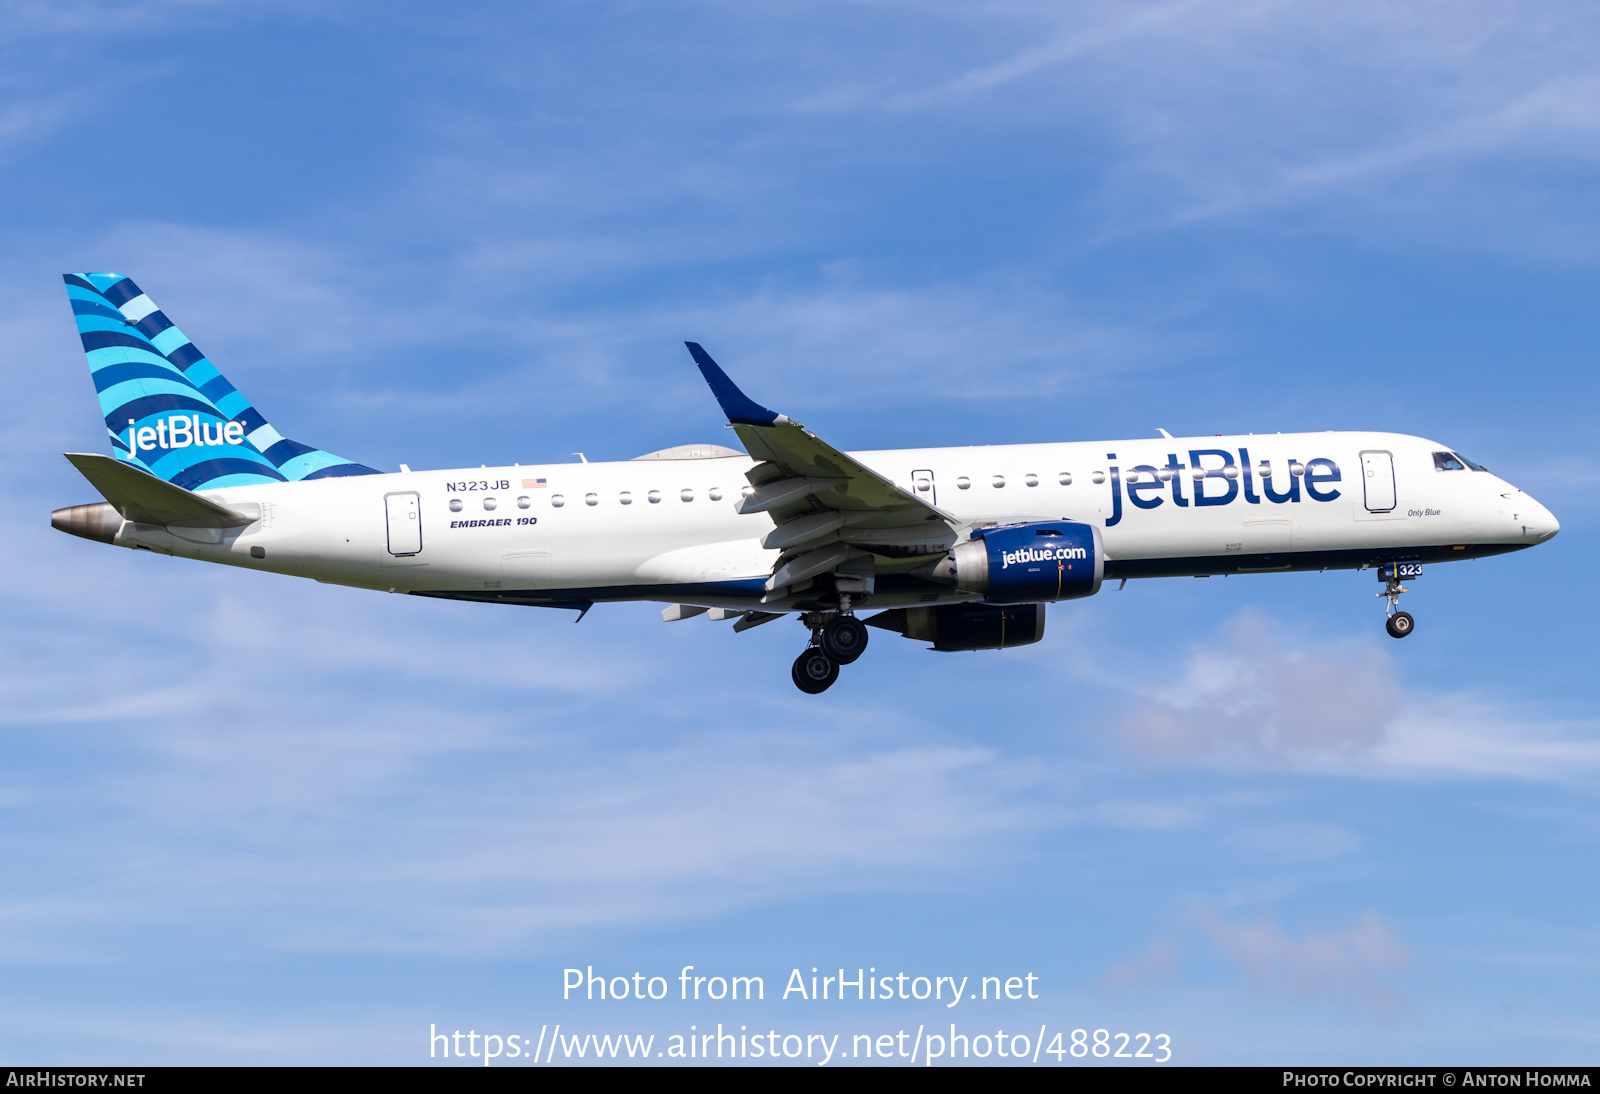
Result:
[[184, 422], [181, 432]]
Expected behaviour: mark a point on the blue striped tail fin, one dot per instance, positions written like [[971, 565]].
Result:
[[166, 406]]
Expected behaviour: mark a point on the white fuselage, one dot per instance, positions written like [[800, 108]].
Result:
[[668, 530]]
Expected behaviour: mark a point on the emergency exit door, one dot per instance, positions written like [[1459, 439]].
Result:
[[922, 486], [1377, 480], [405, 523]]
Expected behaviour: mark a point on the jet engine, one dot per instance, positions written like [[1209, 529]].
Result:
[[1025, 563], [966, 626]]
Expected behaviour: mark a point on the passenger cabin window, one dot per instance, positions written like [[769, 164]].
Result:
[[686, 494], [626, 497], [557, 501], [654, 496], [1031, 480], [591, 499], [1098, 476], [489, 505], [963, 482], [455, 505], [998, 481], [523, 502], [1065, 478], [715, 493]]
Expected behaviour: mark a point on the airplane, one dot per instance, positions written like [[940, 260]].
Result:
[[961, 548]]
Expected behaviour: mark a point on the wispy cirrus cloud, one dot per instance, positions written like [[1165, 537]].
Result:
[[357, 773], [1354, 114]]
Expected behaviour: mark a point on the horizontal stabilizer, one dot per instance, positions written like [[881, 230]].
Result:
[[140, 496]]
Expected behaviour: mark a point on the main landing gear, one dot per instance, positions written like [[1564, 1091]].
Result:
[[837, 638], [814, 671], [1399, 624]]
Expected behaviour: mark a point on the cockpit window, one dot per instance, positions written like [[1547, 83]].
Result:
[[1447, 461], [1469, 463]]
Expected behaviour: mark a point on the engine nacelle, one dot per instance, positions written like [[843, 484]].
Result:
[[1027, 563], [966, 626]]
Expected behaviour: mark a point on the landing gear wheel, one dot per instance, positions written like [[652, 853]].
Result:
[[814, 671], [844, 638], [1400, 624]]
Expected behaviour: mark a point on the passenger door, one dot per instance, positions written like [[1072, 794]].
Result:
[[405, 523], [1377, 480]]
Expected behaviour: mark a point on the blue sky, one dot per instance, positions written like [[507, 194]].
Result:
[[250, 819]]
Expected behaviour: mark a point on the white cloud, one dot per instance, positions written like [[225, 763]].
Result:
[[1259, 693], [375, 828], [1365, 115], [1250, 693], [1089, 35], [357, 773], [1345, 964], [1156, 964], [935, 344]]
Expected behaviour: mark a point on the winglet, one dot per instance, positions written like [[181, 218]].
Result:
[[739, 407]]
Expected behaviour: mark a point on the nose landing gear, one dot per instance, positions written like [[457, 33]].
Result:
[[837, 638], [1399, 624]]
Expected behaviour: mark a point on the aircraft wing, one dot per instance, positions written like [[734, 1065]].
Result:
[[832, 512]]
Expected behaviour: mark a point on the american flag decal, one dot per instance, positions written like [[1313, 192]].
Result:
[[534, 484]]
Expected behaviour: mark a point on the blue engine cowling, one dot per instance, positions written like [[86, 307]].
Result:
[[1029, 563]]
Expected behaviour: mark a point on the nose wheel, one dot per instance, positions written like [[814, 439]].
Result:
[[1399, 624]]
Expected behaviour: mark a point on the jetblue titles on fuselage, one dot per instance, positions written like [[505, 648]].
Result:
[[1146, 484]]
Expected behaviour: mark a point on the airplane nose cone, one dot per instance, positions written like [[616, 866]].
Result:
[[1538, 523]]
